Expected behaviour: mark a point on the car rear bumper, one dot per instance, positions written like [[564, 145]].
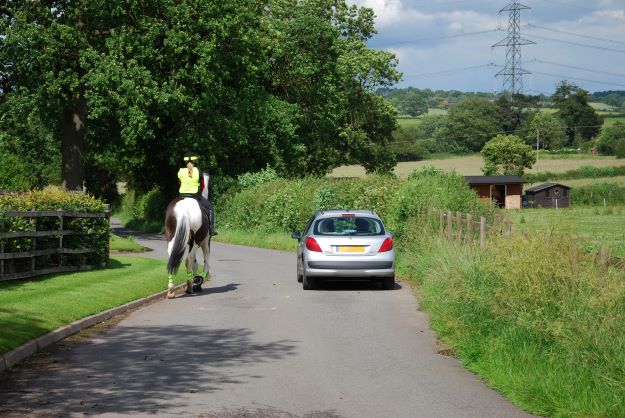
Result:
[[356, 269]]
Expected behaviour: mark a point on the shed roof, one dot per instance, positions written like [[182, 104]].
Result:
[[545, 186], [495, 180]]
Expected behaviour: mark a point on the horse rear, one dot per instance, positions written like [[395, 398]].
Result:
[[186, 230]]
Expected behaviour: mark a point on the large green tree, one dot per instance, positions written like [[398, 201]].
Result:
[[581, 120], [507, 155], [470, 124], [545, 131], [122, 88]]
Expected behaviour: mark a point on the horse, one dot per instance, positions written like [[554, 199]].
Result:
[[186, 231]]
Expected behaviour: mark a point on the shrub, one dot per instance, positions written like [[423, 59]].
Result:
[[265, 175], [13, 174], [51, 199], [597, 194]]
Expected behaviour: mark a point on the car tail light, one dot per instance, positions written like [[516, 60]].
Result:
[[387, 245], [312, 245]]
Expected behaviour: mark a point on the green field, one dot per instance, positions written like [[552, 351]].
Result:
[[592, 226], [472, 165], [612, 121]]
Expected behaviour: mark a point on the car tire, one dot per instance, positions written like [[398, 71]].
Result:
[[388, 283], [300, 277], [308, 283]]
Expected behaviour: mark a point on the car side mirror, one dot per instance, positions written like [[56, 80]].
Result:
[[296, 235]]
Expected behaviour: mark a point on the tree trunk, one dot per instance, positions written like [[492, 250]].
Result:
[[73, 144]]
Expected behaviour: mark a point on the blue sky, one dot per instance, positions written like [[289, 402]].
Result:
[[438, 47]]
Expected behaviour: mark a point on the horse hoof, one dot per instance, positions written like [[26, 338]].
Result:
[[170, 291], [197, 289], [189, 288]]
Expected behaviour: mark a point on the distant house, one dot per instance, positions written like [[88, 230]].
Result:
[[548, 195], [503, 191], [450, 101]]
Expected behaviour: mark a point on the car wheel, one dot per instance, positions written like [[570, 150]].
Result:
[[308, 283], [300, 278], [388, 283]]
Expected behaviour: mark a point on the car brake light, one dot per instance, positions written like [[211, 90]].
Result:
[[348, 214], [312, 245], [387, 245]]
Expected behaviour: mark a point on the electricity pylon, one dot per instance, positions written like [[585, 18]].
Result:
[[513, 73]]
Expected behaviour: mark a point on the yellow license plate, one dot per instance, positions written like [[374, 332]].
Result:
[[351, 249]]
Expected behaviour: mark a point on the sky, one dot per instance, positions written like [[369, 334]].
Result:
[[448, 45]]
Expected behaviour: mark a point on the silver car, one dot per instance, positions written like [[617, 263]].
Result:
[[345, 244]]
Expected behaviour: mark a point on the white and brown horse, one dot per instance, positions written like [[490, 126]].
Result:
[[187, 230]]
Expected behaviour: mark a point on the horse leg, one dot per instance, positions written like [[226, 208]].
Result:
[[191, 269], [206, 251]]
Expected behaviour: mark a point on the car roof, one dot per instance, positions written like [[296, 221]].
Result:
[[335, 212]]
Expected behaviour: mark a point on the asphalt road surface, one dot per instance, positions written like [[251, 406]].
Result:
[[254, 344]]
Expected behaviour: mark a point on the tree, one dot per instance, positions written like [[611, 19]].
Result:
[[120, 89], [608, 141], [580, 119], [413, 104], [507, 155], [545, 130], [470, 124]]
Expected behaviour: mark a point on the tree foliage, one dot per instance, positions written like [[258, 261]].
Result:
[[125, 87], [470, 124], [507, 155], [546, 131], [612, 140], [581, 121]]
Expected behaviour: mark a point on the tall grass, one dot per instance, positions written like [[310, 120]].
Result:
[[534, 317]]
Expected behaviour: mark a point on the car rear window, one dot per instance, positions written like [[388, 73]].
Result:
[[348, 225]]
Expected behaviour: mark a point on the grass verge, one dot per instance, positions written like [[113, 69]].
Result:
[[533, 316], [275, 241], [31, 308], [125, 244]]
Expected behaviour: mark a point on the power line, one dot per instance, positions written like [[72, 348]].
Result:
[[577, 68], [436, 38], [447, 72], [530, 25], [565, 77], [580, 44]]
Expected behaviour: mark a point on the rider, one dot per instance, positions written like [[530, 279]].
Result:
[[191, 184]]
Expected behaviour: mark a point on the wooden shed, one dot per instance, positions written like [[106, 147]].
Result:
[[503, 191], [548, 195]]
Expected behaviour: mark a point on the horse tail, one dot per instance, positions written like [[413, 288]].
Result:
[[178, 244]]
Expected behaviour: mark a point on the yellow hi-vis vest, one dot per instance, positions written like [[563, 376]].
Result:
[[189, 184]]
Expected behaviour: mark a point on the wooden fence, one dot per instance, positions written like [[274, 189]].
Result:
[[24, 264], [463, 228]]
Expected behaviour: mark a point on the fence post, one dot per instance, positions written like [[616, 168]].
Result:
[[33, 259], [107, 215], [469, 236], [604, 256], [449, 222], [507, 226], [482, 232], [61, 255], [442, 223], [459, 226], [1, 249]]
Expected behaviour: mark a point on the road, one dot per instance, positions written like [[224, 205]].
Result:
[[254, 344]]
